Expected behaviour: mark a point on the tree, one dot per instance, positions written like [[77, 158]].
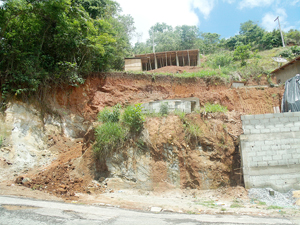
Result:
[[252, 33], [188, 36], [208, 43], [59, 41], [242, 52]]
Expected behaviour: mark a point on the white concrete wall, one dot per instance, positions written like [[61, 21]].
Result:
[[154, 107], [288, 72], [270, 149]]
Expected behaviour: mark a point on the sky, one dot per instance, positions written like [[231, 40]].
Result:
[[215, 16]]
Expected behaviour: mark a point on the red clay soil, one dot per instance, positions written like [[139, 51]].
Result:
[[73, 170], [103, 90]]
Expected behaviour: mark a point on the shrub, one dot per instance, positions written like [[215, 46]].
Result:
[[221, 60], [133, 118], [164, 108], [109, 136], [106, 115], [212, 108]]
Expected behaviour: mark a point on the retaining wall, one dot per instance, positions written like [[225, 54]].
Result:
[[270, 149]]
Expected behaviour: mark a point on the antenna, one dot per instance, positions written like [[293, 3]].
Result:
[[279, 59]]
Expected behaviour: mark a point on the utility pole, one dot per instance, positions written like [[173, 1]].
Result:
[[155, 59], [280, 31]]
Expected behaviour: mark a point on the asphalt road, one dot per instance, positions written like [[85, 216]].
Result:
[[19, 211]]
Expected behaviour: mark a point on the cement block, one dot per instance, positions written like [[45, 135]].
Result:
[[259, 116], [279, 125], [261, 153], [265, 131], [247, 117], [284, 120], [259, 126], [293, 161], [287, 156], [288, 114], [295, 129], [262, 164], [257, 159], [254, 122], [275, 147], [247, 131], [265, 147], [249, 127], [246, 122], [276, 157], [269, 142], [255, 131], [273, 163], [269, 116], [274, 120], [267, 158], [259, 143], [290, 124], [297, 124], [275, 130], [270, 126], [285, 129], [296, 114], [293, 119]]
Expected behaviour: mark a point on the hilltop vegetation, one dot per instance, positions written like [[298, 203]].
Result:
[[60, 42]]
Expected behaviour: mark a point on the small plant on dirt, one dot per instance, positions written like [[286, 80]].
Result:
[[180, 114], [164, 108], [133, 118], [210, 203], [212, 108], [108, 115], [274, 207], [109, 136], [235, 205], [1, 141], [223, 209], [261, 203]]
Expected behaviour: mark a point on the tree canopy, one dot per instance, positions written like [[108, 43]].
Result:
[[59, 41]]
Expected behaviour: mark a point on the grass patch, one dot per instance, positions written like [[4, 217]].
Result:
[[274, 207], [236, 205], [212, 108], [223, 209], [209, 204], [115, 128]]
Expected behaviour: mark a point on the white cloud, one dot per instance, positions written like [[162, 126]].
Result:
[[255, 3], [268, 20], [147, 14], [295, 2], [204, 6]]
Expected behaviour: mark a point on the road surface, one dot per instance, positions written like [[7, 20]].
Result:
[[19, 211]]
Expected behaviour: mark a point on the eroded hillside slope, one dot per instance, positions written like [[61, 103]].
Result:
[[165, 156]]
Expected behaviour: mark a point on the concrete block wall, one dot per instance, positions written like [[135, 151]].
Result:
[[270, 149]]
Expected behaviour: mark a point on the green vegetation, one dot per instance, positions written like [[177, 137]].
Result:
[[223, 209], [236, 205], [115, 128], [164, 109], [133, 118], [1, 141], [209, 204], [274, 207], [212, 108], [57, 42]]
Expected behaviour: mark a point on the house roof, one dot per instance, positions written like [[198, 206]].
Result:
[[287, 64]]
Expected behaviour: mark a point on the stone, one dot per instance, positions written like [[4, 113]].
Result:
[[155, 209]]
